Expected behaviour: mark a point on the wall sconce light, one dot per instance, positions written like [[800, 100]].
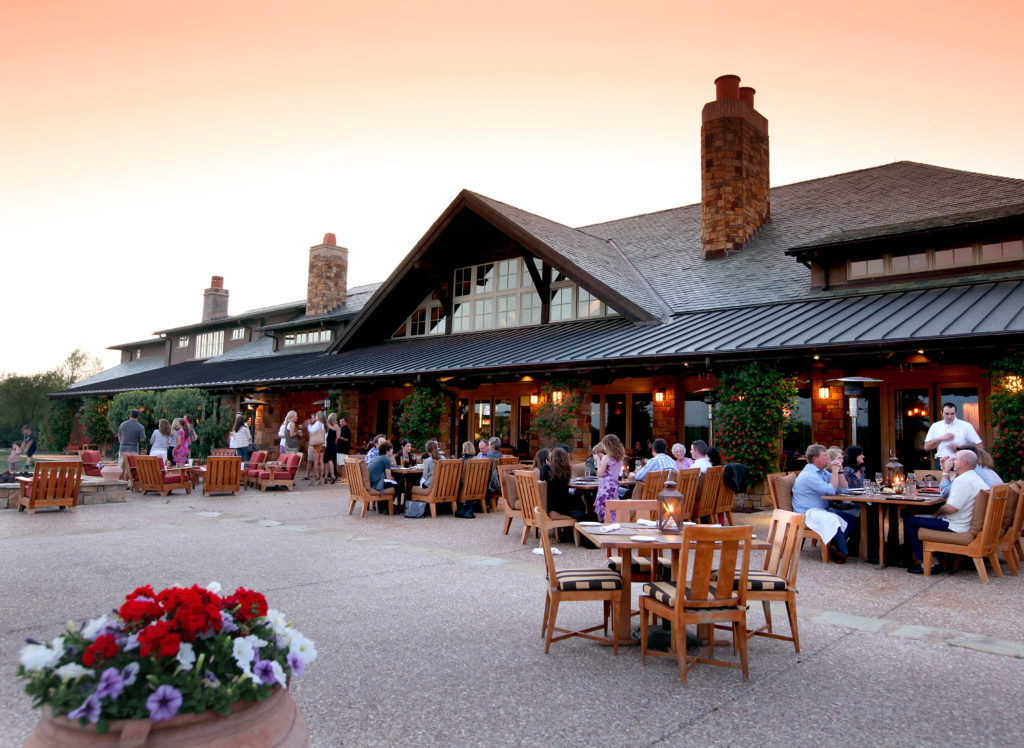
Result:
[[534, 398], [557, 397], [659, 396], [1013, 384], [824, 393]]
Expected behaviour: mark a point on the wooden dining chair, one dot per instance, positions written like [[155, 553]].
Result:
[[528, 490], [652, 484], [776, 581], [359, 488], [1010, 537], [702, 602], [985, 542], [444, 485], [475, 476], [569, 585], [780, 494], [707, 494], [509, 496]]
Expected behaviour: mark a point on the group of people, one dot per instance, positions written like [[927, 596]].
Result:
[[329, 440], [171, 441]]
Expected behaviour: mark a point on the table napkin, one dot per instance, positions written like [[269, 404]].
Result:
[[647, 523], [609, 528], [540, 552]]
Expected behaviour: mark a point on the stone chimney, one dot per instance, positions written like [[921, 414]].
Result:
[[327, 284], [734, 169], [215, 300]]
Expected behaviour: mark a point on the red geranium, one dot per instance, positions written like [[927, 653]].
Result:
[[192, 611], [250, 604], [140, 605], [157, 637], [104, 647]]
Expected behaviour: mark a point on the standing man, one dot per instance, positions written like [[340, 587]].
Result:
[[344, 438], [953, 516], [949, 435], [28, 445], [130, 434]]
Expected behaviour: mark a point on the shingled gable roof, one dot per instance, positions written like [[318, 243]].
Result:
[[801, 214], [593, 263]]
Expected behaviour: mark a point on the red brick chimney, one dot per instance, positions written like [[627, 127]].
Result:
[[734, 169], [327, 283], [215, 300]]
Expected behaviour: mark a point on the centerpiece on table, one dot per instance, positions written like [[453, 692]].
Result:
[[182, 664]]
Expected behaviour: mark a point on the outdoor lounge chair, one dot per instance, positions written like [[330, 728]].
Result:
[[52, 484], [223, 474], [153, 477]]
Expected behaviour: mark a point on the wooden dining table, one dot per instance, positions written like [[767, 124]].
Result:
[[621, 540], [884, 504], [407, 475]]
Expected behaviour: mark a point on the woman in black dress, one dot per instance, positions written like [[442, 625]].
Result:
[[331, 448]]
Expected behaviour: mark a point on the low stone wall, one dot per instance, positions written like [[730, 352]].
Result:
[[93, 491]]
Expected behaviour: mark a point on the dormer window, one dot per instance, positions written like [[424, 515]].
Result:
[[209, 344], [238, 333], [183, 341], [934, 259], [306, 337]]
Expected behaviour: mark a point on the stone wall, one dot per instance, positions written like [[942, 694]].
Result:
[[828, 417], [93, 491]]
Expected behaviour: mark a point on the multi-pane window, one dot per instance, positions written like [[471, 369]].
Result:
[[587, 305], [483, 314], [936, 259], [527, 278], [183, 341], [209, 344], [484, 278], [529, 308], [238, 333], [461, 320], [418, 323], [506, 313], [561, 304], [508, 274], [463, 281], [307, 337], [437, 320]]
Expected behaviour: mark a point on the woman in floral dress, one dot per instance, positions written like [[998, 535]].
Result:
[[608, 472]]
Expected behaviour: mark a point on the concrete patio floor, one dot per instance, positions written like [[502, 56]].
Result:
[[428, 631]]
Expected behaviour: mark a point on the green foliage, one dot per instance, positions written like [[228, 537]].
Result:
[[555, 423], [94, 419], [753, 405], [23, 400], [211, 422], [421, 415], [55, 433], [1007, 405], [146, 401], [212, 427]]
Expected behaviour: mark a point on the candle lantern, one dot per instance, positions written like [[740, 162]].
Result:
[[670, 509], [893, 471]]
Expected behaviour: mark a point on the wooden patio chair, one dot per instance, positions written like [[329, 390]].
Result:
[[133, 472], [776, 581], [509, 460], [444, 486], [652, 485], [52, 484], [707, 494], [475, 476], [281, 476], [703, 602], [223, 474], [360, 489], [532, 493], [1010, 539], [509, 496], [153, 477], [223, 452], [780, 494], [570, 585], [255, 465], [977, 544], [642, 563], [723, 505]]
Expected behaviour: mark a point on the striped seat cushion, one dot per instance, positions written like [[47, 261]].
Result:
[[663, 592], [758, 580], [642, 565], [588, 579]]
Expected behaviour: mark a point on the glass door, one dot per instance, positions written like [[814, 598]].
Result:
[[912, 418]]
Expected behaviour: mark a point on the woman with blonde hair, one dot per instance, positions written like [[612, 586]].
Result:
[[291, 433], [608, 471], [161, 443], [468, 450], [317, 444]]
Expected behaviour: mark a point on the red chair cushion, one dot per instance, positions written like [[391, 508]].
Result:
[[173, 478]]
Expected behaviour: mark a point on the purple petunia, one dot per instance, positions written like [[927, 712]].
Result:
[[296, 664], [110, 684], [90, 709], [227, 623], [163, 703], [264, 672]]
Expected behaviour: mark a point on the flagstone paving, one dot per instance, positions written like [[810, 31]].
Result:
[[428, 631]]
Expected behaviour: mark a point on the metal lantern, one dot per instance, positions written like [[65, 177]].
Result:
[[670, 509], [894, 476]]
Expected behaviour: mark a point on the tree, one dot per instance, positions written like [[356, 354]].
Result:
[[754, 403], [421, 415], [555, 420], [77, 366]]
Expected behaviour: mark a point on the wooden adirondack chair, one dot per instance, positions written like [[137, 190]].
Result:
[[52, 484], [152, 477], [223, 474]]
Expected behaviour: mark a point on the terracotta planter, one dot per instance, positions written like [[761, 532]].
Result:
[[111, 472], [274, 722]]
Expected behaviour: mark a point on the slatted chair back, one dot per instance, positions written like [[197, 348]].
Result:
[[707, 492], [545, 524], [353, 474], [475, 476], [509, 460], [993, 523], [52, 484], [1013, 523], [724, 502], [223, 452], [528, 489], [730, 546], [444, 486], [509, 497], [150, 472], [780, 491], [687, 482], [629, 510], [784, 534], [654, 482], [133, 471], [223, 474]]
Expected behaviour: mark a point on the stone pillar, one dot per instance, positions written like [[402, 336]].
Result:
[[828, 417]]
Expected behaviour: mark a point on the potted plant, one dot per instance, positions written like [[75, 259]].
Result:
[[184, 664]]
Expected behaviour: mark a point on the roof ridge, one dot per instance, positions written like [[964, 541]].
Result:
[[665, 308]]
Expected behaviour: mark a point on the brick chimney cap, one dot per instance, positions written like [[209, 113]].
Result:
[[330, 239], [217, 281], [747, 94], [727, 87]]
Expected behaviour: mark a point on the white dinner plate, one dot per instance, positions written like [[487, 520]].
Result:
[[589, 524], [643, 538]]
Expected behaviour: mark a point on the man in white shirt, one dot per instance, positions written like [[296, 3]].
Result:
[[699, 450], [953, 516], [949, 434]]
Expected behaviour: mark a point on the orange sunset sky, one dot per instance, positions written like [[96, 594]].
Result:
[[150, 144]]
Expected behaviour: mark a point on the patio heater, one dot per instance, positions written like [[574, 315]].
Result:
[[710, 398], [853, 388]]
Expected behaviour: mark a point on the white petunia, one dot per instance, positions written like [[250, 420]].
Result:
[[92, 629], [186, 656], [278, 672], [302, 648], [213, 587], [35, 657], [278, 622], [244, 651], [72, 670]]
